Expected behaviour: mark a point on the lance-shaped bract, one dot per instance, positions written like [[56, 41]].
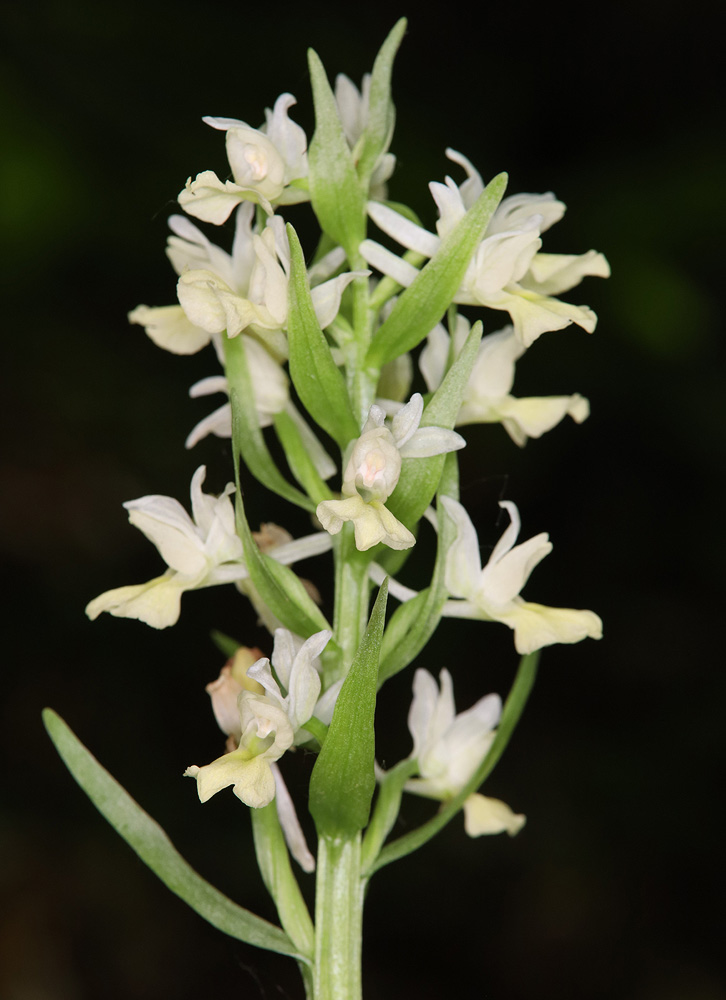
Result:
[[343, 779]]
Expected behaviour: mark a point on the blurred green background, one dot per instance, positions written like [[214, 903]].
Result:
[[615, 888]]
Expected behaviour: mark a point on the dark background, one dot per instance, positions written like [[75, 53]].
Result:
[[615, 887]]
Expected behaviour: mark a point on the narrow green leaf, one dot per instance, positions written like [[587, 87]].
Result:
[[279, 586], [247, 437], [513, 709], [315, 375], [335, 191], [421, 306], [420, 476], [153, 846], [381, 112], [343, 779], [274, 863], [299, 460]]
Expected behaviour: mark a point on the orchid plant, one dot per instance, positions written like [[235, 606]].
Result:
[[320, 348]]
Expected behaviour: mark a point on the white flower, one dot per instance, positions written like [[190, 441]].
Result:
[[506, 271], [224, 693], [246, 290], [354, 110], [297, 674], [492, 593], [372, 473], [487, 397], [200, 551], [251, 292], [449, 748], [266, 733], [264, 163]]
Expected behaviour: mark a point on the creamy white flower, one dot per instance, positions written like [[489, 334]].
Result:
[[224, 693], [266, 733], [492, 593], [506, 271], [487, 398], [264, 163], [200, 551], [373, 470], [249, 291], [354, 110], [246, 290], [297, 669], [449, 748]]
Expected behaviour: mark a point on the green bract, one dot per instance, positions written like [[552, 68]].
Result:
[[335, 190], [343, 780], [314, 373]]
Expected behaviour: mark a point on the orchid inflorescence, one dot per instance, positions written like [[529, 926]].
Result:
[[323, 355]]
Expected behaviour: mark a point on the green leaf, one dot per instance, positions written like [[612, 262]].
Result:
[[337, 196], [247, 438], [316, 377], [513, 709], [420, 476], [299, 460], [425, 301], [343, 779], [153, 846], [381, 113], [415, 621], [274, 863], [279, 587]]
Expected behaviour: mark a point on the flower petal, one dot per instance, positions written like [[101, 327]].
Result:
[[463, 562], [483, 815], [536, 626], [170, 329], [157, 603]]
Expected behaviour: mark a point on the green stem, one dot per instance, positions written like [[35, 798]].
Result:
[[364, 380], [338, 920], [351, 599]]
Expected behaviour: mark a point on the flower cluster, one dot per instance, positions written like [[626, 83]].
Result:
[[317, 359]]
